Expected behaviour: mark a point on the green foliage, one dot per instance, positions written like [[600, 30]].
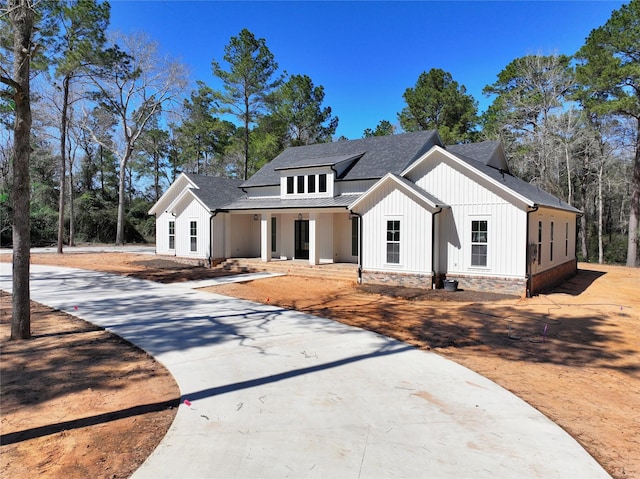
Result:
[[526, 91], [248, 81], [437, 102], [202, 138], [297, 105], [96, 220], [384, 128], [84, 24], [608, 68], [44, 224], [140, 221], [251, 66], [5, 214]]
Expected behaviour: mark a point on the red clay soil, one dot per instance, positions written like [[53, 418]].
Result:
[[573, 353]]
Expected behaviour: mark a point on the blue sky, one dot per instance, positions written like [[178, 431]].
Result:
[[366, 54]]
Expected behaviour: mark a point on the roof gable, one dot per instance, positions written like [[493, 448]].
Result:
[[169, 196], [529, 194], [216, 191], [407, 187], [212, 192]]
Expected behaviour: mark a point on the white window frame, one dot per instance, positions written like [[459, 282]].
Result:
[[172, 235], [193, 238], [396, 239], [539, 243], [475, 241]]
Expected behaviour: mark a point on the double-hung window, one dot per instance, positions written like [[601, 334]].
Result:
[[539, 242], [300, 181], [479, 242], [193, 235], [393, 241], [172, 235]]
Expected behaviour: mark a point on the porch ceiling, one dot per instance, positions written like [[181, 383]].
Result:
[[342, 201]]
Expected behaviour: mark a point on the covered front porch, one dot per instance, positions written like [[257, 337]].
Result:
[[315, 236]]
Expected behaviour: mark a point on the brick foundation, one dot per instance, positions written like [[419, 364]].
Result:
[[476, 283], [407, 280], [492, 284], [189, 261], [552, 277]]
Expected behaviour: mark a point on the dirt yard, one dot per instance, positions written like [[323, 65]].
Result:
[[573, 353]]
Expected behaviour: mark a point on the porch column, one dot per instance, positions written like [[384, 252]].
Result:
[[265, 237], [314, 247], [227, 235]]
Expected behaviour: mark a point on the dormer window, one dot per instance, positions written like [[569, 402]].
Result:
[[307, 184], [322, 183]]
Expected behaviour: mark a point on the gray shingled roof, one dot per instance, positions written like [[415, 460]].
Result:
[[380, 155], [305, 162], [482, 151], [373, 158], [215, 191]]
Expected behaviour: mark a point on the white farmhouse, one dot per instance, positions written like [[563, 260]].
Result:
[[405, 208]]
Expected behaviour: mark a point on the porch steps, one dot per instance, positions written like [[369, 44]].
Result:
[[338, 271]]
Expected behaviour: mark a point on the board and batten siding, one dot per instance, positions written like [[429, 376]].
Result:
[[415, 232], [187, 211], [474, 199], [244, 241], [218, 245], [162, 234], [342, 239], [324, 236], [564, 234]]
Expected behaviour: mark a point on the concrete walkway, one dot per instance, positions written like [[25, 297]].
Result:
[[275, 393]]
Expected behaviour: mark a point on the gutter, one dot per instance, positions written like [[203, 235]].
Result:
[[211, 237], [357, 215], [433, 242], [528, 252]]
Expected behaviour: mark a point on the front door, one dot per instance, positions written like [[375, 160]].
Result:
[[302, 239]]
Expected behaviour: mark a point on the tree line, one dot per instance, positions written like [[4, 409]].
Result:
[[110, 122]]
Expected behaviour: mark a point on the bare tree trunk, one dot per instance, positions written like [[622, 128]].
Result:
[[101, 169], [121, 199], [600, 213], [156, 175], [246, 138], [63, 161], [583, 219], [21, 16], [72, 216], [569, 185], [634, 213]]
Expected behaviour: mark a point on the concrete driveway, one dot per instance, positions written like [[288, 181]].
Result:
[[275, 393]]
